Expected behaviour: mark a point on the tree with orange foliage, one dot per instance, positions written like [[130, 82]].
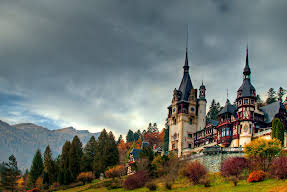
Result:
[[39, 183], [86, 177], [123, 149], [153, 138]]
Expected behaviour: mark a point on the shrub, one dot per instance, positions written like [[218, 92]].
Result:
[[136, 180], [195, 171], [256, 176], [151, 186], [86, 177], [115, 183], [168, 185], [233, 166], [116, 171], [205, 181], [279, 168], [262, 151]]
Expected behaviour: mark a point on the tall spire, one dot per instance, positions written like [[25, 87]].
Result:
[[186, 67], [246, 71]]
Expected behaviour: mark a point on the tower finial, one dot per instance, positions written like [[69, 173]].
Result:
[[186, 67], [186, 46]]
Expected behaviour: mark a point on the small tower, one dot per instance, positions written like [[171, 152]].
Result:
[[246, 105], [201, 108]]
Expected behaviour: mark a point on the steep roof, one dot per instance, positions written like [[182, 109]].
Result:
[[228, 108], [271, 110], [186, 84], [246, 88]]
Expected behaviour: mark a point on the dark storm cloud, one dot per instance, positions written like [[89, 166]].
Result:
[[114, 64]]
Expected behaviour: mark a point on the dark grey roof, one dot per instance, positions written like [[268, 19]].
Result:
[[246, 88], [228, 108], [185, 85], [212, 122], [246, 69], [271, 110], [135, 153]]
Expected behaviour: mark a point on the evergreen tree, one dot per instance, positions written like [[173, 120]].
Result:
[[166, 138], [9, 173], [278, 130], [37, 168], [64, 176], [49, 175], [119, 139], [214, 109], [130, 136], [89, 155], [75, 156], [280, 93], [271, 96], [136, 136], [107, 153]]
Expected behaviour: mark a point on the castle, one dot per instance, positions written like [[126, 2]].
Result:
[[237, 125]]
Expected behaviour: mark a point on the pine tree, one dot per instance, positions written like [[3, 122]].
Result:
[[136, 136], [271, 96], [278, 130], [9, 173], [214, 109], [166, 138], [49, 175], [64, 176], [37, 168], [75, 156], [119, 139], [89, 155], [107, 153], [280, 93], [130, 136]]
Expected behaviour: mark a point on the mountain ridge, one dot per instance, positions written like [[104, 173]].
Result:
[[23, 139]]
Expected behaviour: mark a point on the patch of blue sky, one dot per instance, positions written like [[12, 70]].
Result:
[[12, 110]]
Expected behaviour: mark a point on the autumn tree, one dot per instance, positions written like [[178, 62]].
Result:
[[271, 98], [152, 138], [37, 168], [262, 151], [278, 130]]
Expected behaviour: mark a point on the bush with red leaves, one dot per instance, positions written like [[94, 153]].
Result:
[[195, 171], [233, 166], [136, 180], [279, 168], [257, 176]]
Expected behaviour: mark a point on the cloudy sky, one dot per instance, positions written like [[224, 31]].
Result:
[[114, 64]]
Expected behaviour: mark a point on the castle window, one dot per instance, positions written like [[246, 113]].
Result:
[[240, 102], [174, 121], [250, 128], [173, 109], [245, 101], [190, 135], [189, 146], [190, 121], [252, 101], [192, 109]]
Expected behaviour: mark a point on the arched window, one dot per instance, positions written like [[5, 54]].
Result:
[[190, 121]]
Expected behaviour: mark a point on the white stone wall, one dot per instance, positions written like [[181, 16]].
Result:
[[201, 115]]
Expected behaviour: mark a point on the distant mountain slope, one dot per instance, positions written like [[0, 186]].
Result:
[[24, 139]]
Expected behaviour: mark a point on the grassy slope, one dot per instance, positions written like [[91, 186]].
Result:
[[217, 185]]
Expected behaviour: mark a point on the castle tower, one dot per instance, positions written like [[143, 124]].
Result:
[[201, 108], [246, 106], [182, 114]]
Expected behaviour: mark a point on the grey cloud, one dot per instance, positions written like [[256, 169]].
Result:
[[114, 64]]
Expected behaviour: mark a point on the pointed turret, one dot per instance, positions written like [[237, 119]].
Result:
[[246, 89], [185, 85]]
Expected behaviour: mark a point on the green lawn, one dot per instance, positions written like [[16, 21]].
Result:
[[185, 185]]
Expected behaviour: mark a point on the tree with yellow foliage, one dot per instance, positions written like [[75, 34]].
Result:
[[262, 151]]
